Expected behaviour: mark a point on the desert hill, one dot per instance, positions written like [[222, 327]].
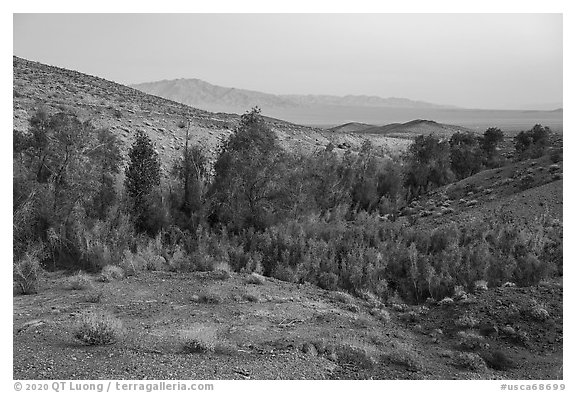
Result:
[[414, 128], [124, 110]]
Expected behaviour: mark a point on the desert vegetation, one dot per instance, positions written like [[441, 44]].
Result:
[[322, 217]]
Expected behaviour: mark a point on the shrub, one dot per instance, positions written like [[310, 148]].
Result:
[[470, 340], [80, 281], [256, 279], [284, 273], [343, 297], [210, 297], [26, 273], [470, 361], [466, 321], [132, 264], [381, 314], [220, 274], [111, 273], [94, 296], [200, 339], [498, 360], [404, 355], [180, 261], [538, 312], [328, 281], [358, 354], [251, 297], [98, 328]]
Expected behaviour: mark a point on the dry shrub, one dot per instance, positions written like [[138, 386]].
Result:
[[199, 339], [80, 281], [359, 354], [132, 264], [404, 355], [98, 328], [210, 297], [343, 297], [498, 360], [466, 321], [256, 279], [470, 361], [471, 340], [111, 273], [26, 273]]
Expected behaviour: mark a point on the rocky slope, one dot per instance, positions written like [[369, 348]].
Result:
[[124, 110]]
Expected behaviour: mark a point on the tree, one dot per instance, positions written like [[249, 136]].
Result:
[[142, 176], [489, 144], [427, 164], [532, 143], [246, 191], [465, 154], [191, 172], [107, 157]]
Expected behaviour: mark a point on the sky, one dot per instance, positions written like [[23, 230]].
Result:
[[488, 61]]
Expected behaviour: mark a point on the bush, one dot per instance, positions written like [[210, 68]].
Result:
[[98, 328], [210, 297], [132, 264], [404, 355], [328, 281], [94, 296], [470, 361], [111, 273], [538, 312], [466, 321], [498, 360], [26, 273], [256, 279], [200, 339], [80, 281]]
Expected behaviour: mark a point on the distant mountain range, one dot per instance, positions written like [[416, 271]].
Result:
[[328, 111], [203, 95]]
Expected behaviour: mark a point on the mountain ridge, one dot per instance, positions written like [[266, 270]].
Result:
[[199, 93]]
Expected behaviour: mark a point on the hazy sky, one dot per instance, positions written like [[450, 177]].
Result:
[[503, 61]]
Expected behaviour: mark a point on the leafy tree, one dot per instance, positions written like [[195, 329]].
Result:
[[489, 144], [247, 190], [532, 143], [465, 154], [142, 176], [107, 157], [427, 164], [191, 173]]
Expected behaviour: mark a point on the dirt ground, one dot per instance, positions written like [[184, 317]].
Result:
[[278, 330]]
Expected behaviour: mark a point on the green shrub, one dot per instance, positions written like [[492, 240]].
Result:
[[98, 328]]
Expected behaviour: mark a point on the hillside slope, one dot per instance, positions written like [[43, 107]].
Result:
[[124, 110]]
